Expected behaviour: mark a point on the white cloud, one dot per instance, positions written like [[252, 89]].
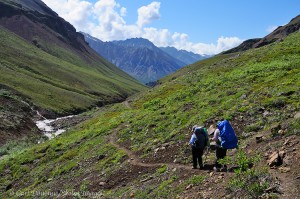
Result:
[[105, 20], [271, 28], [76, 12], [146, 14]]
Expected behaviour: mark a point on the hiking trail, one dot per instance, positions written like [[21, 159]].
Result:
[[135, 160]]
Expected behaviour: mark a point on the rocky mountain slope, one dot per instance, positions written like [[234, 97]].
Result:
[[183, 55], [276, 36], [138, 57], [49, 64], [138, 149]]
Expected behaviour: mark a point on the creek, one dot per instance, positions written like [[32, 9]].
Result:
[[46, 125]]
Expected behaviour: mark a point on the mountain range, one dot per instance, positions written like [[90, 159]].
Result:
[[183, 55], [139, 148], [141, 58]]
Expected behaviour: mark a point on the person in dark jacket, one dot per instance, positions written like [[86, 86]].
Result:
[[199, 140]]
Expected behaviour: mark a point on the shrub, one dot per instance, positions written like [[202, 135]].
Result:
[[248, 181]]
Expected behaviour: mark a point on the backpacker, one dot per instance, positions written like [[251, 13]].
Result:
[[228, 137], [202, 138]]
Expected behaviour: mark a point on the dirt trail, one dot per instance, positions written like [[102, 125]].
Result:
[[134, 160]]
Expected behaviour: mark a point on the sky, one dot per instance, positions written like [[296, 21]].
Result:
[[204, 27]]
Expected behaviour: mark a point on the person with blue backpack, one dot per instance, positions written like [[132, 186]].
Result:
[[225, 138], [199, 140]]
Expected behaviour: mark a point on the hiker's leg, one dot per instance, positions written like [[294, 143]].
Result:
[[219, 155], [194, 152], [200, 158], [223, 155]]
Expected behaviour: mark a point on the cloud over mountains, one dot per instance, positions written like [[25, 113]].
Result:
[[104, 19]]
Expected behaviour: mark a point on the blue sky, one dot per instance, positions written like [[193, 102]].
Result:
[[204, 27]]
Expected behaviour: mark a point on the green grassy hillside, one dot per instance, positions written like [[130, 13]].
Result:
[[59, 80], [255, 90]]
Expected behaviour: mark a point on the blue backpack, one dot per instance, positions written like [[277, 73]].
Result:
[[228, 137]]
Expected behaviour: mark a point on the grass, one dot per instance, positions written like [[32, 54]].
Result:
[[238, 87], [65, 81]]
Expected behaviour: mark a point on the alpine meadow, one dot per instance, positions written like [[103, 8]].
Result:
[[130, 140]]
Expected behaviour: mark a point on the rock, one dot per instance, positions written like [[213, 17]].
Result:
[[132, 194], [175, 161], [275, 128], [266, 113], [259, 138], [297, 115], [275, 160], [174, 170], [209, 189], [281, 132], [163, 148], [156, 150], [273, 189], [211, 174], [102, 183], [244, 96], [166, 145], [189, 187], [284, 169], [281, 154]]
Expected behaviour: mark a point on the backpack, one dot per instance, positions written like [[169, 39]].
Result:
[[228, 137], [201, 138]]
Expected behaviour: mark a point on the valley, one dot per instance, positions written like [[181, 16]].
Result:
[[117, 138]]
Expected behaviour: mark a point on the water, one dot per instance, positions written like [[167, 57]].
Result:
[[47, 128]]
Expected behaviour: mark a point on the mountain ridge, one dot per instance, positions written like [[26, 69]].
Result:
[[276, 36], [183, 55], [131, 56]]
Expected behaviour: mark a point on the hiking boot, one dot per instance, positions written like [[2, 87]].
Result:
[[194, 168], [201, 167]]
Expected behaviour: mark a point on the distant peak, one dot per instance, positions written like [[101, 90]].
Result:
[[136, 42]]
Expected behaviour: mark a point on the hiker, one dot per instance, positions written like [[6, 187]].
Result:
[[225, 138], [198, 141]]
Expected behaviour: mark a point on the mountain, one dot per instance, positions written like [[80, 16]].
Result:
[[276, 36], [138, 149], [183, 55], [46, 65], [138, 57]]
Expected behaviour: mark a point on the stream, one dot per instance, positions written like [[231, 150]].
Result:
[[48, 129]]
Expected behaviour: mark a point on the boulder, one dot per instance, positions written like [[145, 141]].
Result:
[[275, 159]]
